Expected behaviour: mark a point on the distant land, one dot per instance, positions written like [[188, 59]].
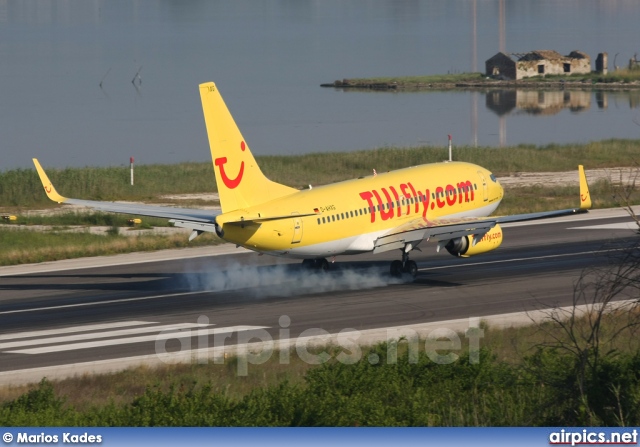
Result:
[[617, 80]]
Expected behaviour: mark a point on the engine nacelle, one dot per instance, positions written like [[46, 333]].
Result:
[[462, 246]]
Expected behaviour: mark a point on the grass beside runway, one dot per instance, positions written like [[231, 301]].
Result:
[[530, 199], [26, 246], [517, 382], [21, 189], [75, 218]]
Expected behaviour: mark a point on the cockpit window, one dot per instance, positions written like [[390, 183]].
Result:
[[493, 178]]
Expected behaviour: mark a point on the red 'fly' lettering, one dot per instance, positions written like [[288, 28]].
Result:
[[407, 195], [415, 195], [425, 203]]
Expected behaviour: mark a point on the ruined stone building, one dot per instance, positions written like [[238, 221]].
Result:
[[536, 63]]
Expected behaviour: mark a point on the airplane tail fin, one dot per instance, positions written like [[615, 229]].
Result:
[[240, 181]]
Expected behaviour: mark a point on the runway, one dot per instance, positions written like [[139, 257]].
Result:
[[56, 316]]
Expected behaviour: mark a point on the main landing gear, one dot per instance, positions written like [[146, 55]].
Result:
[[316, 264], [404, 266]]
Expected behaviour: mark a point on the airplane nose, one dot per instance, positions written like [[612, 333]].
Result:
[[500, 190], [497, 189]]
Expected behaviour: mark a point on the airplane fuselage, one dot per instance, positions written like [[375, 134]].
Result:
[[349, 216]]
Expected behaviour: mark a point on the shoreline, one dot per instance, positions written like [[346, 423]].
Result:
[[481, 84]]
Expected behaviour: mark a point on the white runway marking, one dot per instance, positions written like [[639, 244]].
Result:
[[533, 258], [97, 303], [145, 338], [85, 328], [94, 335], [613, 226]]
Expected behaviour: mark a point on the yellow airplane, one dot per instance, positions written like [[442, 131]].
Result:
[[448, 203]]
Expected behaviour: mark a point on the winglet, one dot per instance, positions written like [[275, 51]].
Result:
[[46, 183], [585, 197]]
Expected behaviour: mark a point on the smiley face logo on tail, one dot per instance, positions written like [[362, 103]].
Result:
[[229, 182], [584, 197]]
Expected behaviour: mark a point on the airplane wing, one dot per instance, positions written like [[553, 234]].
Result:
[[443, 230], [204, 220]]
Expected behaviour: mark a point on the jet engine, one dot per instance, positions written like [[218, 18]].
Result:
[[463, 246]]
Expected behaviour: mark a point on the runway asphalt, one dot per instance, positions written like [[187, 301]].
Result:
[[97, 310]]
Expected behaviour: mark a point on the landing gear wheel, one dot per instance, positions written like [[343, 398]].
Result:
[[406, 265], [396, 268], [323, 265], [411, 268], [316, 264]]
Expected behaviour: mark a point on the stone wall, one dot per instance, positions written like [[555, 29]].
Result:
[[536, 63]]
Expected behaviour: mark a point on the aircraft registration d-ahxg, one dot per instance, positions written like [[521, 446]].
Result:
[[448, 203]]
